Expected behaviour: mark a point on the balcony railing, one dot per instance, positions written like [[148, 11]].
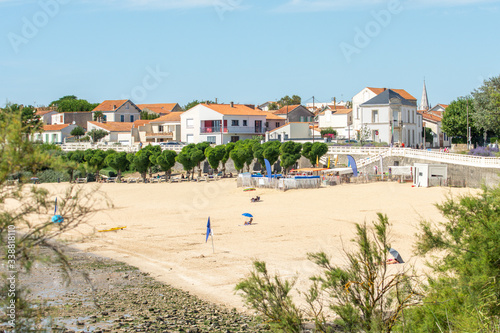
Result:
[[233, 129], [160, 134]]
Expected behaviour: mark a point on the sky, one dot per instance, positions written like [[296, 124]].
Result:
[[166, 51]]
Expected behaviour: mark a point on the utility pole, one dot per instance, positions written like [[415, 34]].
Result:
[[468, 132]]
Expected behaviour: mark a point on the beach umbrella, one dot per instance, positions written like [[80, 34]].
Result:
[[57, 219], [247, 214], [396, 255]]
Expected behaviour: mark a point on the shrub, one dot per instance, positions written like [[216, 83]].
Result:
[[484, 151], [109, 172], [51, 176]]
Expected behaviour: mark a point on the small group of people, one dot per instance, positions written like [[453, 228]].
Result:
[[256, 199]]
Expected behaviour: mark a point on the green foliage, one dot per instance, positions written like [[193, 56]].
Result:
[[149, 116], [364, 294], [31, 123], [95, 160], [52, 176], [228, 148], [97, 134], [28, 210], [290, 154], [239, 155], [192, 155], [314, 151], [271, 151], [193, 103], [215, 156], [109, 172], [269, 295], [243, 152], [141, 160], [487, 105], [428, 135], [118, 161], [364, 134], [78, 132], [328, 130], [454, 122], [273, 106], [287, 100], [72, 104], [463, 294], [166, 160]]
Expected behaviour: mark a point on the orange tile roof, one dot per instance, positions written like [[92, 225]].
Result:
[[430, 117], [158, 108], [236, 110], [109, 105], [443, 105], [272, 116], [141, 122], [402, 92], [58, 127], [171, 117], [341, 111], [286, 109], [114, 126]]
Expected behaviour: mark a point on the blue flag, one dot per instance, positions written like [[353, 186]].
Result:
[[268, 168], [55, 207], [352, 164], [209, 230]]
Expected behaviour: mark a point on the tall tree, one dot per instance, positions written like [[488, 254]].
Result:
[[314, 151], [214, 156], [97, 134], [71, 103], [290, 154], [188, 157], [141, 161], [78, 132], [287, 100], [454, 122], [487, 105], [192, 104], [271, 151], [166, 161], [96, 160], [273, 106], [119, 162], [30, 121]]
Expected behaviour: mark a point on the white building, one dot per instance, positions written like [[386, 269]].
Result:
[[222, 123], [365, 95], [294, 131], [163, 129], [117, 132], [340, 120], [54, 133], [118, 111], [392, 119]]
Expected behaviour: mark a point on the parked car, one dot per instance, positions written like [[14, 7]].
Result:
[[171, 143]]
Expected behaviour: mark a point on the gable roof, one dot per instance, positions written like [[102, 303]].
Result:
[[272, 116], [141, 122], [430, 117], [236, 110], [44, 112], [114, 126], [338, 111], [58, 127], [287, 109], [158, 108], [384, 99], [171, 117], [110, 105], [402, 92]]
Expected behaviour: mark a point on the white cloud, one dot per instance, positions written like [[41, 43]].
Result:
[[336, 5]]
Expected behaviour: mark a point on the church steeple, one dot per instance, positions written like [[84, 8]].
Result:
[[424, 102]]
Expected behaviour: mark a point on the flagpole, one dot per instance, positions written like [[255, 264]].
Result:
[[212, 236]]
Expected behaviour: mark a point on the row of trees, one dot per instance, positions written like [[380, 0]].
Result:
[[481, 110]]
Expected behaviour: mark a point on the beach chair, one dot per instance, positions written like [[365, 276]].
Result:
[[112, 180], [81, 180]]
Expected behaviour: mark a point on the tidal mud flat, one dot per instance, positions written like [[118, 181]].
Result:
[[104, 295]]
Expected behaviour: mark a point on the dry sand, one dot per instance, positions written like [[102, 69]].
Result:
[[166, 227]]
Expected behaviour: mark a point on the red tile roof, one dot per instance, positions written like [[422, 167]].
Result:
[[341, 111], [402, 92], [236, 109], [286, 109], [110, 105], [141, 122], [171, 117], [430, 117], [114, 126], [58, 127], [272, 116], [158, 108]]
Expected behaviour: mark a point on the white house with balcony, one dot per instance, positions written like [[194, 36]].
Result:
[[392, 119], [221, 123], [340, 120], [163, 129]]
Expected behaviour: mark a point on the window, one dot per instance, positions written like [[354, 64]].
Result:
[[126, 106], [374, 116], [235, 122], [245, 123], [46, 138], [267, 124], [302, 119], [61, 120], [160, 129], [54, 138], [190, 123], [235, 138], [277, 124], [211, 139], [190, 138], [131, 118], [122, 118]]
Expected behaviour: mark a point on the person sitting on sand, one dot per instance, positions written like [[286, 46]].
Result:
[[391, 261], [249, 222]]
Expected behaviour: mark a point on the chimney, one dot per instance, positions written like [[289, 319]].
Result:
[[208, 102], [216, 100], [232, 104], [114, 107]]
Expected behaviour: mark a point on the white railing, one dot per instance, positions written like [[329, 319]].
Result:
[[119, 148], [375, 152]]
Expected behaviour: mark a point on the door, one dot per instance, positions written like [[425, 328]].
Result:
[[258, 126]]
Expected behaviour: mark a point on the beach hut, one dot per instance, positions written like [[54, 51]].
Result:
[[426, 175]]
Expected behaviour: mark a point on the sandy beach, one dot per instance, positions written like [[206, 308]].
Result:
[[166, 227]]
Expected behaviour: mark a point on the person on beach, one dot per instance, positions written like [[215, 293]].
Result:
[[249, 222]]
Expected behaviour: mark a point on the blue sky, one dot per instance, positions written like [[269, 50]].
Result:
[[154, 51]]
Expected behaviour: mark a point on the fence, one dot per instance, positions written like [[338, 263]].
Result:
[[282, 184]]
